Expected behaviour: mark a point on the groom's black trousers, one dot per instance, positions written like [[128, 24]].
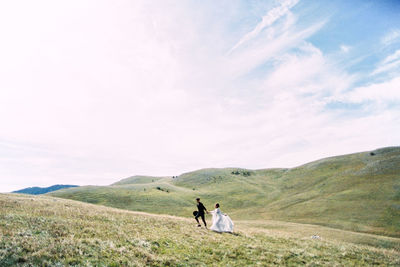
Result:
[[202, 217]]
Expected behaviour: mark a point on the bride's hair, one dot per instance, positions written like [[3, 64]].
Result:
[[217, 205]]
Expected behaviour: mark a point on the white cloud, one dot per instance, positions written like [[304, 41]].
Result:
[[307, 72], [391, 37], [390, 63], [345, 48], [271, 17], [392, 57], [383, 92]]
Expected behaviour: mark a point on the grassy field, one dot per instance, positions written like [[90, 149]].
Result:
[[357, 192], [47, 231]]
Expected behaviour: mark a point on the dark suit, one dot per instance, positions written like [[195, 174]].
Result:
[[201, 209]]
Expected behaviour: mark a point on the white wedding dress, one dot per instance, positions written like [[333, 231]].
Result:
[[221, 222]]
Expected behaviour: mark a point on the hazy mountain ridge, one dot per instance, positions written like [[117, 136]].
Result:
[[43, 190]]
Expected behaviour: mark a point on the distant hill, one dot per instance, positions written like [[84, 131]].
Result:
[[43, 190], [357, 192], [137, 179]]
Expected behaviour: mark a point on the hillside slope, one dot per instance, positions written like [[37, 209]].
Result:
[[357, 192], [46, 231]]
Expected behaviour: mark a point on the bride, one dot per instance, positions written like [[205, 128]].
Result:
[[220, 221]]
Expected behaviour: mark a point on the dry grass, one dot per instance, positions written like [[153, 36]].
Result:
[[46, 231]]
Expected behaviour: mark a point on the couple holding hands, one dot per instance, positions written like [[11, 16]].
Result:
[[220, 221]]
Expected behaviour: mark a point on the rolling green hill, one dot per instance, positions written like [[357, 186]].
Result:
[[137, 179], [47, 231], [357, 192]]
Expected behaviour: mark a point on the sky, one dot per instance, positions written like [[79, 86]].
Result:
[[95, 91]]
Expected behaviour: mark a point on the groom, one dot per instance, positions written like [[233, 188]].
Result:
[[201, 209]]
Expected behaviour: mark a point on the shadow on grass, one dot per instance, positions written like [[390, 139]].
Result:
[[230, 233]]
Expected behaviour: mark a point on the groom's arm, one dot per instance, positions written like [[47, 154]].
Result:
[[205, 209]]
